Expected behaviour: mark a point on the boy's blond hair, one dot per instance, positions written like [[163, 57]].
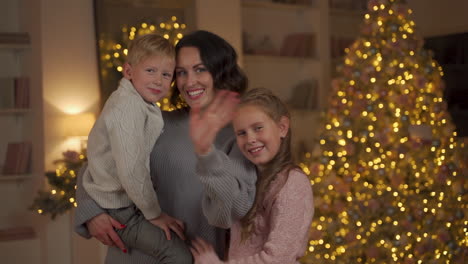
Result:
[[152, 44]]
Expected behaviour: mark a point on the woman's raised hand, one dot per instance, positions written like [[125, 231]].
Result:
[[206, 123], [102, 227]]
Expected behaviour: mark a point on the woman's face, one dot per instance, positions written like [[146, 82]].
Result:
[[193, 79]]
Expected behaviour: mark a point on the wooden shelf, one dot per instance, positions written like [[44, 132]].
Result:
[[14, 46], [14, 111], [17, 233], [347, 12], [19, 177], [278, 59], [273, 5]]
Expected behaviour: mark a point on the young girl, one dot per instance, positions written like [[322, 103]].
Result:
[[275, 229]]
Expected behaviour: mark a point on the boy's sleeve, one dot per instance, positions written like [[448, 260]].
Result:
[[87, 207], [229, 184], [128, 135]]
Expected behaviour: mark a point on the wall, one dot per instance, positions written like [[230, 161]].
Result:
[[435, 17], [210, 15], [70, 85], [70, 78]]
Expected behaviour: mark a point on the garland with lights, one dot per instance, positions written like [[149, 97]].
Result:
[[113, 53], [388, 175], [60, 196]]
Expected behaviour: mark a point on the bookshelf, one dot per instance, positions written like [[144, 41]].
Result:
[[345, 20], [14, 104], [265, 26], [15, 178], [285, 49], [14, 46], [20, 122], [14, 111]]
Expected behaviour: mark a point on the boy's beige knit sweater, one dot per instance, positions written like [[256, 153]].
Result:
[[119, 147]]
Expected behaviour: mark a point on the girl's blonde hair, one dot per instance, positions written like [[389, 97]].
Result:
[[148, 45], [272, 106]]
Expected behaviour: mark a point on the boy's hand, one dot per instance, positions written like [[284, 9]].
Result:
[[168, 223]]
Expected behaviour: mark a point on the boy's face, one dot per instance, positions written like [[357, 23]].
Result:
[[151, 77]]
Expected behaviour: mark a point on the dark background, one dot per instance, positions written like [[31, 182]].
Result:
[[451, 52]]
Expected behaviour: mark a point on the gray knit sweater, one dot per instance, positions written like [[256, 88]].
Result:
[[203, 192], [119, 147]]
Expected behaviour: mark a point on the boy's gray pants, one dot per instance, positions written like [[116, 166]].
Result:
[[141, 234]]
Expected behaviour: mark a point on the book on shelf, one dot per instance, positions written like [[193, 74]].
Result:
[[14, 92], [339, 44], [305, 95], [349, 4], [22, 92], [7, 93], [14, 38], [298, 45], [17, 158]]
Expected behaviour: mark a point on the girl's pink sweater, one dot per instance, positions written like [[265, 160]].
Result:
[[282, 225]]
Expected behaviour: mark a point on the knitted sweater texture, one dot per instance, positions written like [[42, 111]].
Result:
[[119, 147], [282, 224], [205, 192]]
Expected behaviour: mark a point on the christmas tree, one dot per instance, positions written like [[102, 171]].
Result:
[[388, 181], [60, 196]]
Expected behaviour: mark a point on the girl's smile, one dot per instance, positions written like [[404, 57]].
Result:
[[258, 135]]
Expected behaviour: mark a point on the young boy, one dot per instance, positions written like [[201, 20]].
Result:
[[119, 147]]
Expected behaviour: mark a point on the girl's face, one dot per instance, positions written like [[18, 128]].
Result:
[[258, 136], [193, 79]]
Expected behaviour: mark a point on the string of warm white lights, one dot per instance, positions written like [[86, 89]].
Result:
[[60, 194]]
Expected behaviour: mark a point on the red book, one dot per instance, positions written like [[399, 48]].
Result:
[[24, 163], [290, 44], [12, 158], [22, 92]]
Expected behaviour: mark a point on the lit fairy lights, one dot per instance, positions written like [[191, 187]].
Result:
[[389, 180], [114, 52], [61, 196]]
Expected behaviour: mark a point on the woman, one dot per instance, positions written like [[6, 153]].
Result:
[[188, 153]]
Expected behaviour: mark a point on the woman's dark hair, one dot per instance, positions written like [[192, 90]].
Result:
[[219, 57]]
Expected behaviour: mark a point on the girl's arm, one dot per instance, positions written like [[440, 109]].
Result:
[[290, 220], [229, 181]]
